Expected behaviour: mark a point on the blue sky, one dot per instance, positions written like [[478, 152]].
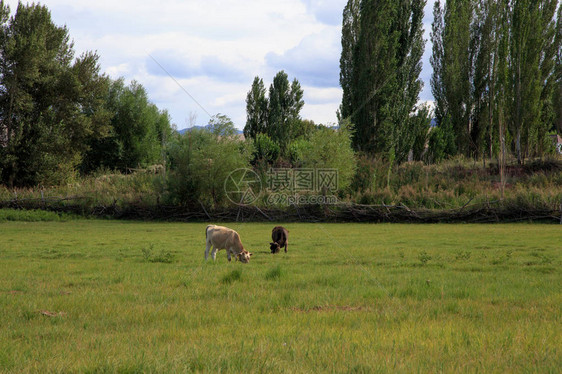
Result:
[[214, 49]]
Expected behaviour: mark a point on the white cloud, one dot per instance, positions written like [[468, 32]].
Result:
[[327, 11], [315, 95], [212, 48], [314, 61]]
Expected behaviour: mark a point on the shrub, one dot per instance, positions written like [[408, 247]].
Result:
[[367, 171], [265, 149], [331, 149], [297, 149], [441, 142]]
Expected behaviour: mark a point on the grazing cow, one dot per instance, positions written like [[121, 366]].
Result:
[[280, 236], [220, 237]]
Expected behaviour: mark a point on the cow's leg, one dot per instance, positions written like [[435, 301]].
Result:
[[228, 254], [214, 253], [207, 250], [286, 244]]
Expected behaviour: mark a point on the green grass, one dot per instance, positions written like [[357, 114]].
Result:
[[105, 296], [34, 215]]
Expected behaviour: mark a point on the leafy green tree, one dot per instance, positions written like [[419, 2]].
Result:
[[285, 104], [437, 61], [256, 110], [551, 44], [51, 103], [297, 149], [531, 69], [410, 52], [222, 126], [303, 128], [137, 134], [350, 35], [557, 96], [458, 69], [495, 73], [277, 116], [385, 70], [330, 148], [484, 44]]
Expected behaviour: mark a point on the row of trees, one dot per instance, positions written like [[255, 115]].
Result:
[[497, 77], [278, 115], [280, 137], [58, 114]]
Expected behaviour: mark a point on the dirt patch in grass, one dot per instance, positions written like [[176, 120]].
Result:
[[52, 314], [331, 308]]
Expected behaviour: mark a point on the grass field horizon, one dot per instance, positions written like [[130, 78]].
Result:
[[117, 296]]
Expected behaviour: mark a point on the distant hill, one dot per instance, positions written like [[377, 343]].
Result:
[[183, 131]]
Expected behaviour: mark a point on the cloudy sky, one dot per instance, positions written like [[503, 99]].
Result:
[[199, 57]]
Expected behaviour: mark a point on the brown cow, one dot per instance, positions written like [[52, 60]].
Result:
[[220, 237], [280, 236]]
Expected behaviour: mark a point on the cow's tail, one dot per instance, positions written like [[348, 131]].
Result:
[[207, 229]]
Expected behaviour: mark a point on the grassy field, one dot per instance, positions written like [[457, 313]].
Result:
[[107, 296]]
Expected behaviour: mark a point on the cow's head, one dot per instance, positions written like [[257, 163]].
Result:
[[244, 256], [274, 247]]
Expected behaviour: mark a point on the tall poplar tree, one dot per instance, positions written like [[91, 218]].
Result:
[[550, 44], [256, 110], [350, 35], [495, 73], [437, 61], [285, 104], [485, 42], [277, 116], [383, 80], [531, 69], [458, 69], [557, 97]]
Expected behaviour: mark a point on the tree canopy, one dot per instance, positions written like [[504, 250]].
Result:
[[382, 46], [278, 115], [50, 102], [58, 114], [495, 74]]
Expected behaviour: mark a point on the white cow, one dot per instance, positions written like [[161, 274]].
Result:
[[220, 237]]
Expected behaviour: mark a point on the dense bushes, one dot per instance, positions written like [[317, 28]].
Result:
[[328, 149], [455, 183], [201, 160], [265, 150], [450, 185]]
